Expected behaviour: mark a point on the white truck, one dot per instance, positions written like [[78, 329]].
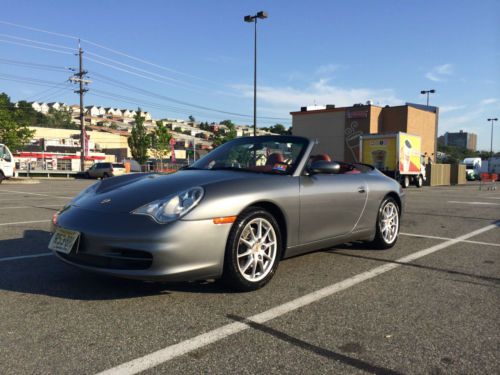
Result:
[[472, 168], [7, 165]]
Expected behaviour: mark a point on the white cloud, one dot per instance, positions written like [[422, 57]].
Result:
[[440, 73], [490, 101], [328, 69], [286, 99], [450, 108]]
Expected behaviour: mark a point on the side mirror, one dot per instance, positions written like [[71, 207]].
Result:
[[324, 167]]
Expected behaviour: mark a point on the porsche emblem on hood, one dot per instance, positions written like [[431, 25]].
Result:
[[105, 201]]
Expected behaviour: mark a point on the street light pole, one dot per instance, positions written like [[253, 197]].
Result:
[[253, 19], [491, 141], [427, 92]]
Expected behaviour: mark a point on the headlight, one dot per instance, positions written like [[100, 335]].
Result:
[[173, 207]]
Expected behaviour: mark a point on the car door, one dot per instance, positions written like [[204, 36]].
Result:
[[330, 205]]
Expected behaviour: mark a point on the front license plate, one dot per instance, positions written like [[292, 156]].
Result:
[[63, 240]]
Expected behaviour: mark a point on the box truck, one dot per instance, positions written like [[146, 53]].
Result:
[[6, 163], [472, 168], [397, 155]]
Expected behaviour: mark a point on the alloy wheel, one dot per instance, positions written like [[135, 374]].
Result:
[[257, 249], [389, 222]]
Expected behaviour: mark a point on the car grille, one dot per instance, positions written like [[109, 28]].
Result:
[[113, 259]]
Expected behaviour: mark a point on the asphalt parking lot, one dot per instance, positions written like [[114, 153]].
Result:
[[429, 305]]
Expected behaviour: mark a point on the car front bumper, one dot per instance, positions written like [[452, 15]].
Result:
[[134, 246]]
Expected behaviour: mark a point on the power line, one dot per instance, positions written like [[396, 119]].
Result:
[[33, 65], [107, 49], [142, 70], [37, 42], [131, 72], [31, 46], [114, 82]]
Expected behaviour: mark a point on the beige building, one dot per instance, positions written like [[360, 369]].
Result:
[[338, 129], [101, 140]]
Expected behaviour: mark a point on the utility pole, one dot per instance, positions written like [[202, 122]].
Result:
[[80, 78]]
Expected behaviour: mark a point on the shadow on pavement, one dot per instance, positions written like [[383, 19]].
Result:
[[351, 361], [414, 265], [51, 277]]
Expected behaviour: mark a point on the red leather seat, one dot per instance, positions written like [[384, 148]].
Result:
[[274, 158]]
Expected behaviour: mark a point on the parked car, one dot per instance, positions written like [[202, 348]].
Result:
[[104, 170], [233, 214]]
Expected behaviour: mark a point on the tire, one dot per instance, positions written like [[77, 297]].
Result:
[[383, 239], [86, 175], [248, 266], [2, 177], [105, 175], [420, 181], [405, 182]]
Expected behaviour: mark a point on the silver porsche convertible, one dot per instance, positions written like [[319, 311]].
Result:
[[232, 215]]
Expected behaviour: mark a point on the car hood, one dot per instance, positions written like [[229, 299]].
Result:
[[128, 192]]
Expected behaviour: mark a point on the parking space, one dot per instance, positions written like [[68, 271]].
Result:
[[429, 305]]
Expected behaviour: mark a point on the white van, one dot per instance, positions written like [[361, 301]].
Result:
[[6, 163]]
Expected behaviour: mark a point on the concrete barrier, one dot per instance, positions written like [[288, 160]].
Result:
[[438, 174]]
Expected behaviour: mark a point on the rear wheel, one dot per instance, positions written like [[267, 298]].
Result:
[[387, 227], [253, 251], [2, 177], [105, 175], [420, 181]]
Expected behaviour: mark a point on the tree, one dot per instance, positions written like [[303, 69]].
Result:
[[280, 129], [160, 141], [227, 136], [13, 133], [191, 118], [139, 140]]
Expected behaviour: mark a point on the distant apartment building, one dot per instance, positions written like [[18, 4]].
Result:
[[461, 139]]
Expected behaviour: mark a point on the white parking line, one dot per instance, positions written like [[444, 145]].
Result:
[[21, 207], [447, 239], [24, 257], [170, 352], [476, 203], [24, 222], [43, 195]]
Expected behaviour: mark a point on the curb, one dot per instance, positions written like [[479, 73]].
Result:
[[20, 181]]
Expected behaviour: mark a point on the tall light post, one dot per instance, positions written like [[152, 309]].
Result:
[[491, 144], [253, 19], [423, 92]]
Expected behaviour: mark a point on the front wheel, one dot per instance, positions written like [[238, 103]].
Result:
[[387, 227], [405, 182], [2, 177], [253, 251]]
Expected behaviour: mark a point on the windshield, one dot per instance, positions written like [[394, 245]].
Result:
[[274, 155]]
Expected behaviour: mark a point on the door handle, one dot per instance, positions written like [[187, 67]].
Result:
[[361, 189]]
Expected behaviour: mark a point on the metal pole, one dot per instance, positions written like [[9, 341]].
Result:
[[255, 80], [491, 144], [427, 98], [82, 118]]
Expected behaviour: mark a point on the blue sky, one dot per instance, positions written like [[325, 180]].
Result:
[[201, 53]]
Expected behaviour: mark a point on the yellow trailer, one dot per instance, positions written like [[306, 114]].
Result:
[[397, 154]]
